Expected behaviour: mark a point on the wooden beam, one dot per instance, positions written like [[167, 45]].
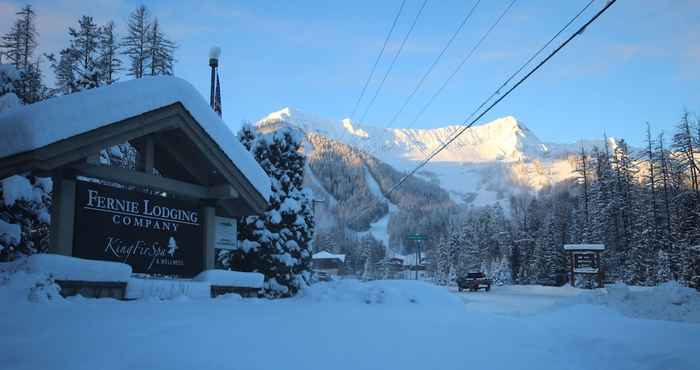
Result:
[[208, 221], [148, 155], [128, 177], [187, 163], [62, 215]]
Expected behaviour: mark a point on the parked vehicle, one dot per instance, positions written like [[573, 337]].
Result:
[[473, 281]]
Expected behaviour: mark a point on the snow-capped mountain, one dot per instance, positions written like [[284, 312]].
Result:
[[505, 139], [482, 166]]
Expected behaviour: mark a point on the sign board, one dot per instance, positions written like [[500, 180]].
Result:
[[153, 234], [417, 237], [226, 232], [585, 261]]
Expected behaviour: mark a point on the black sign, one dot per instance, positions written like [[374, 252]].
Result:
[[153, 234], [585, 261]]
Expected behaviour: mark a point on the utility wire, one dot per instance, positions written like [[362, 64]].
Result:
[[512, 76], [468, 124], [461, 64], [393, 61], [379, 57], [435, 62]]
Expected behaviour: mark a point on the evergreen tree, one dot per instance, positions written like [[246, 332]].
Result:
[[84, 45], [160, 51], [136, 41], [663, 267], [27, 208], [64, 71], [18, 45], [278, 243], [108, 65]]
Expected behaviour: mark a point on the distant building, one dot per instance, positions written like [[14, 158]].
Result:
[[391, 268], [327, 262]]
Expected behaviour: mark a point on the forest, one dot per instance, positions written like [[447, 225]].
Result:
[[643, 204]]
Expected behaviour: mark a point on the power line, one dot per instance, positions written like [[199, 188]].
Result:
[[468, 124], [461, 64], [512, 76], [393, 61], [379, 57], [435, 62]]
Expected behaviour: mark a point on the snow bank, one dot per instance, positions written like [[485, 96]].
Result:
[[71, 268], [232, 278], [34, 126], [669, 301], [383, 292], [166, 289], [19, 285]]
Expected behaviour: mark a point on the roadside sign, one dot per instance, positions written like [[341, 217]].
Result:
[[417, 237]]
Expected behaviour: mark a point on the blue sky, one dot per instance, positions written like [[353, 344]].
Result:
[[640, 62]]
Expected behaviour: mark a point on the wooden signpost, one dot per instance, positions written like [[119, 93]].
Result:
[[418, 238], [585, 259]]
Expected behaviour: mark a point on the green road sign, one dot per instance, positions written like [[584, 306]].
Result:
[[417, 237]]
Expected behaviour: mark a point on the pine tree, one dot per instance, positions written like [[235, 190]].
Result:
[[684, 144], [160, 51], [663, 267], [64, 71], [108, 65], [84, 45], [28, 207], [583, 169], [18, 45], [136, 41], [278, 243]]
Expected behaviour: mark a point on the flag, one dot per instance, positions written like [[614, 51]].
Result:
[[217, 97]]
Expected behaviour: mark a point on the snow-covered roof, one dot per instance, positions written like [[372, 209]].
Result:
[[34, 126], [584, 247], [322, 255]]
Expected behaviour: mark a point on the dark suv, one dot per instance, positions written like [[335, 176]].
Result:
[[473, 281]]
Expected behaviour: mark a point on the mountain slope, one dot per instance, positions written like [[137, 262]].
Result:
[[353, 165]]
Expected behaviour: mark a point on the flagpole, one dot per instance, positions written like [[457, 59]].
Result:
[[214, 54]]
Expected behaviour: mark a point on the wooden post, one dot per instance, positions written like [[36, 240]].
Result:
[[208, 221], [600, 270], [62, 215], [573, 276]]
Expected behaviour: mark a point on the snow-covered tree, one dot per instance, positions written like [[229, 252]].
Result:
[[24, 200], [84, 43], [64, 71], [278, 243]]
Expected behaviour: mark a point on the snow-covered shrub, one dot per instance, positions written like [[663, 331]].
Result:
[[278, 243], [18, 283], [24, 206]]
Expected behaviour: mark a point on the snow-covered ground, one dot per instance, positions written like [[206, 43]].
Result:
[[346, 325]]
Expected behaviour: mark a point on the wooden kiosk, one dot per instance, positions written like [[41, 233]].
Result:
[[160, 217], [585, 259]]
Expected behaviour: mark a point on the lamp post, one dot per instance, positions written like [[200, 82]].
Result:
[[214, 55]]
